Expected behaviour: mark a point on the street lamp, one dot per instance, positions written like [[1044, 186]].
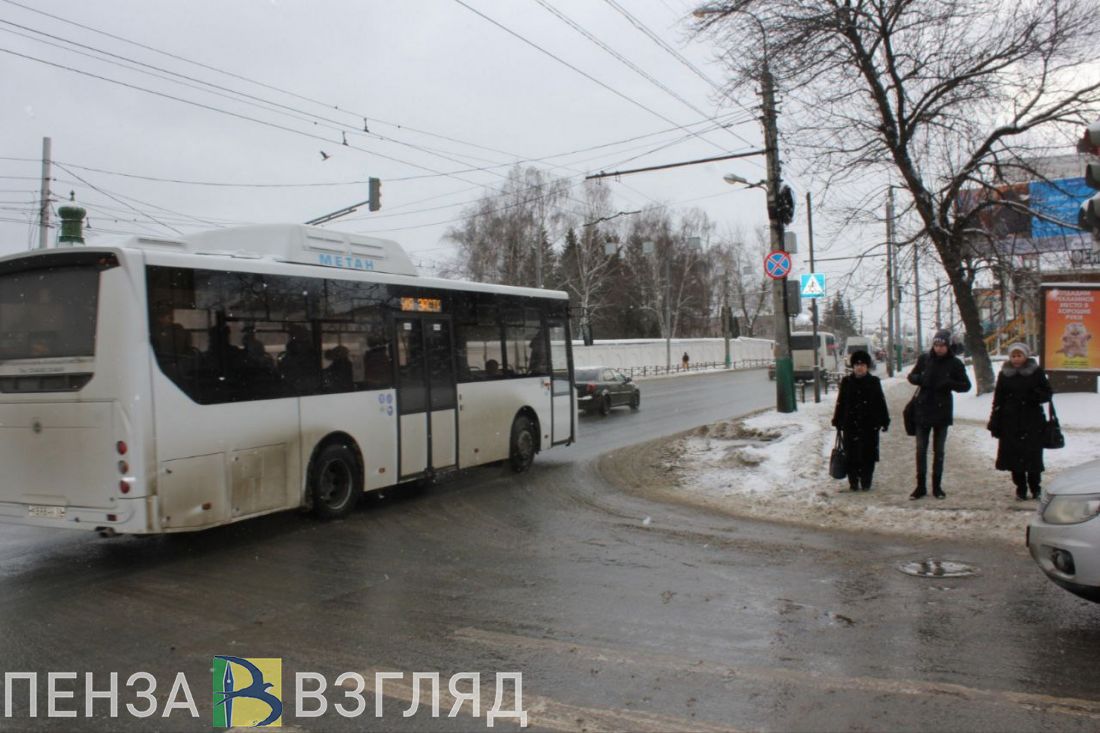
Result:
[[649, 248]]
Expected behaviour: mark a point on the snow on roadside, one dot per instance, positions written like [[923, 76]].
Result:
[[775, 466]]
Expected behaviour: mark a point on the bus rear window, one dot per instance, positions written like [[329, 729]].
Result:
[[48, 312], [802, 343]]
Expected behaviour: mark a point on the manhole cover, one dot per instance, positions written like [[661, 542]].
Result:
[[937, 569]]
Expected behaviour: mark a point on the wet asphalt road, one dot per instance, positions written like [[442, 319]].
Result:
[[687, 621]]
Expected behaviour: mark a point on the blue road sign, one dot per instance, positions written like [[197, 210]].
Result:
[[813, 285], [777, 265]]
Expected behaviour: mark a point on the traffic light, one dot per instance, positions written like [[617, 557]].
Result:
[[374, 198], [1088, 218]]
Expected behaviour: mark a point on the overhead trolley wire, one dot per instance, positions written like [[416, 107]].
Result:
[[622, 59], [562, 61], [358, 115]]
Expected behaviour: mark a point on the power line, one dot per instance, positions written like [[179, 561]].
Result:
[[622, 59], [562, 61], [215, 69], [90, 185]]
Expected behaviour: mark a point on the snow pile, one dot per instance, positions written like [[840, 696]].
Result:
[[775, 466]]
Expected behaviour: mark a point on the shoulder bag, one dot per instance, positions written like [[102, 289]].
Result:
[[907, 415], [837, 460], [1052, 431]]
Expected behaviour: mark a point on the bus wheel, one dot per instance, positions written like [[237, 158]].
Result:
[[333, 482], [522, 453]]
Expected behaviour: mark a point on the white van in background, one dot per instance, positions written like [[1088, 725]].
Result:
[[859, 343], [802, 354]]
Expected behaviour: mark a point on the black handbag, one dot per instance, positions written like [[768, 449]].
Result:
[[1052, 431], [907, 414], [837, 460]]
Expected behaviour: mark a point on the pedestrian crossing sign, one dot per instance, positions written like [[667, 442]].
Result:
[[813, 285]]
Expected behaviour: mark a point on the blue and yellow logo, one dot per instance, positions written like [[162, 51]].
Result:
[[248, 692]]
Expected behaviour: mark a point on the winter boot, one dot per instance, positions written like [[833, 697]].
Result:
[[920, 492], [1021, 492], [853, 484], [1033, 480], [937, 488]]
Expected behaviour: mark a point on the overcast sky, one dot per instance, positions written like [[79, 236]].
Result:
[[441, 87]]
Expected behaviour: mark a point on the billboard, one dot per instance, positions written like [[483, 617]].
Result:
[[1028, 218], [1071, 327]]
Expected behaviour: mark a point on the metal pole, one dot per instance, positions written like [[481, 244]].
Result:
[[668, 315], [813, 301], [44, 202], [916, 298], [890, 282], [726, 319], [784, 367]]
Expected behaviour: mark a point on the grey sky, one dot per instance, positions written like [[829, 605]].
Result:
[[427, 65]]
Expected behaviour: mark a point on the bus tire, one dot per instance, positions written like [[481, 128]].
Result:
[[334, 482], [521, 453]]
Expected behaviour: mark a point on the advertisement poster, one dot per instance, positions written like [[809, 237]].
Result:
[[1072, 338]]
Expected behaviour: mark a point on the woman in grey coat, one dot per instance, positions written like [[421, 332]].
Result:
[[1017, 420]]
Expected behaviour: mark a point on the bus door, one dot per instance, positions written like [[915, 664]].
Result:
[[426, 394], [562, 388]]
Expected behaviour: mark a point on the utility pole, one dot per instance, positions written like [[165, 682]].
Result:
[[784, 367], [890, 282], [668, 315], [813, 301], [916, 298], [44, 201]]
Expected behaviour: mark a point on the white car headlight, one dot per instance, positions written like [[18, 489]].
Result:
[[1071, 509]]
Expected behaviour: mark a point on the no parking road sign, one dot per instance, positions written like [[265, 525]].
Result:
[[777, 265]]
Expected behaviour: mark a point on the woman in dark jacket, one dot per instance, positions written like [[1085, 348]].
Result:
[[860, 413], [938, 373], [1017, 420]]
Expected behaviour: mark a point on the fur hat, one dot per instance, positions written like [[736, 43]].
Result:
[[943, 336], [1019, 346], [860, 357]]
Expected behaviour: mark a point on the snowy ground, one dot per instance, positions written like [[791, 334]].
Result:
[[775, 466]]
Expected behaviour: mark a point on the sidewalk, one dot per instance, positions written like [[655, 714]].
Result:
[[775, 466]]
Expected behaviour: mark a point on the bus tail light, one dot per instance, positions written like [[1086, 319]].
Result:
[[121, 447], [124, 487], [123, 467]]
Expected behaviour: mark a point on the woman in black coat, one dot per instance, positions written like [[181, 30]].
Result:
[[860, 413], [1017, 420], [938, 373]]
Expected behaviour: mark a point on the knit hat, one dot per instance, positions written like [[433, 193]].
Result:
[[943, 336], [860, 357], [1019, 346]]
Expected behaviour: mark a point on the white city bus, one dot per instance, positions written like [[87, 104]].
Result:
[[172, 385]]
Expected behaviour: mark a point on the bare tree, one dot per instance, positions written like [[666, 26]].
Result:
[[938, 94], [586, 261], [503, 238], [751, 289]]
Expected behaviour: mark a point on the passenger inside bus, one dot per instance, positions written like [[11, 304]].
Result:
[[255, 353], [298, 364], [170, 339], [492, 369], [377, 369], [338, 375]]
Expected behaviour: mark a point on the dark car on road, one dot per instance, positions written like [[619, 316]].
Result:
[[601, 388]]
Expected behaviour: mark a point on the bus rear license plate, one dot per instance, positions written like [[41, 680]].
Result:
[[42, 511]]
